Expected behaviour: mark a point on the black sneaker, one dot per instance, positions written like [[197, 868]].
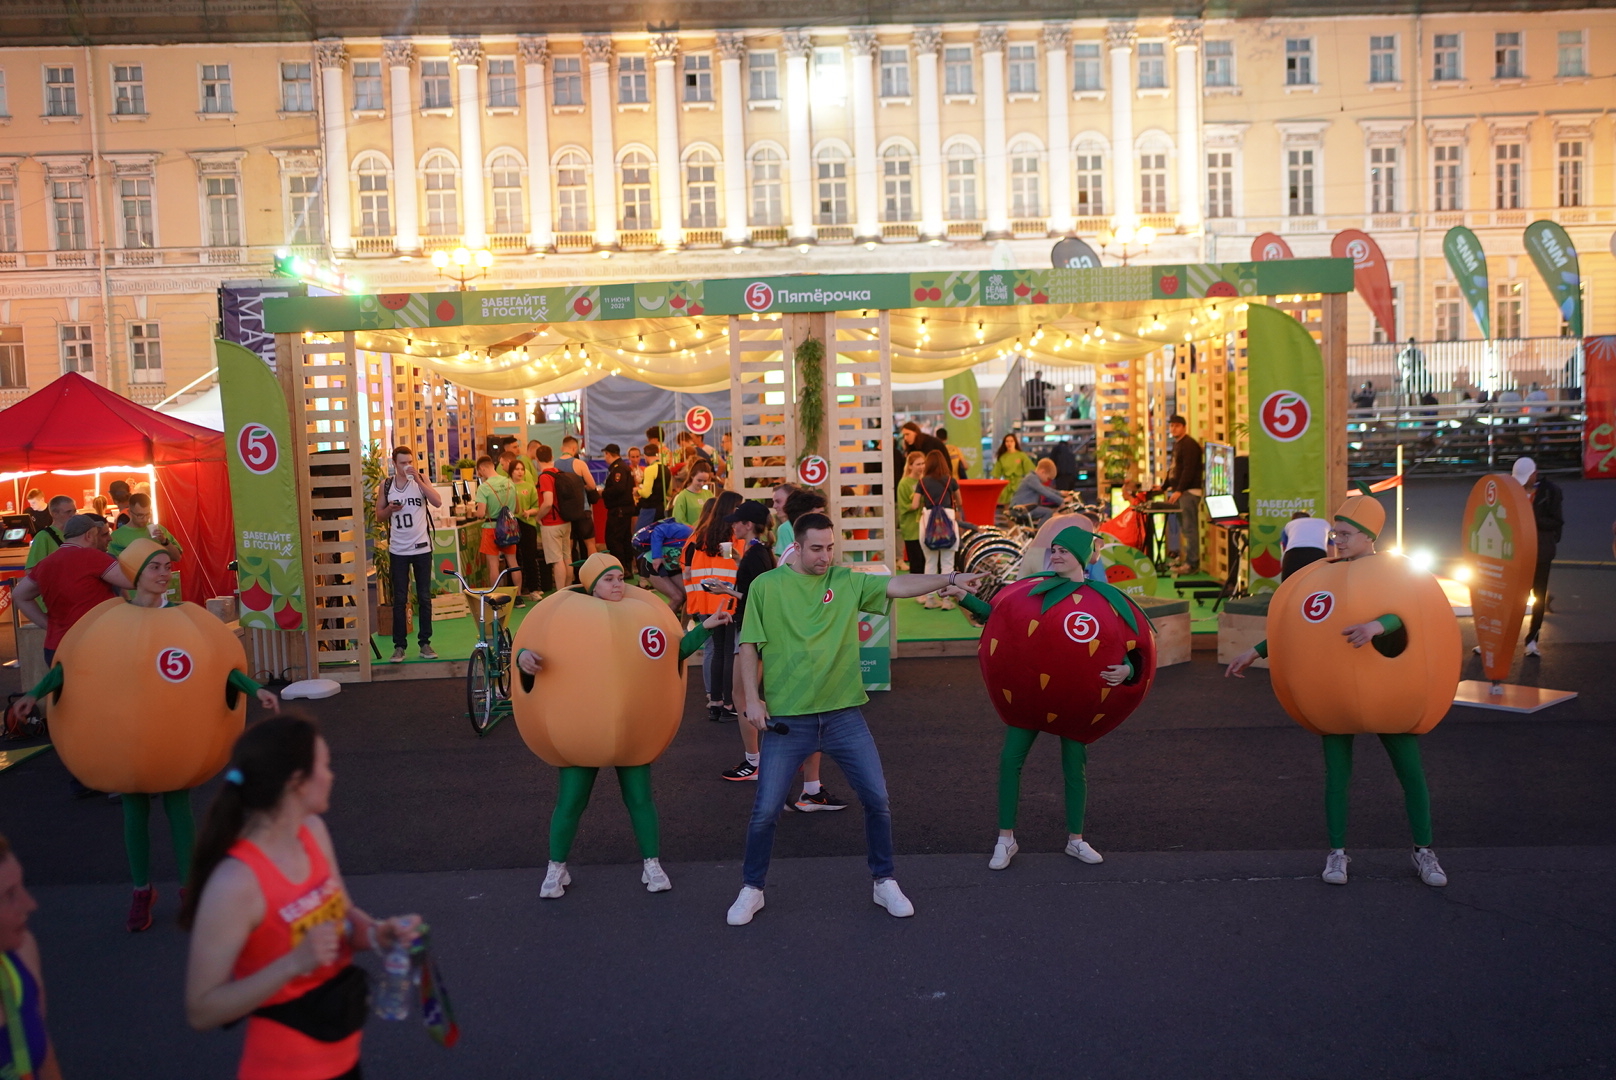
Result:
[[715, 713], [727, 714], [744, 771], [820, 800]]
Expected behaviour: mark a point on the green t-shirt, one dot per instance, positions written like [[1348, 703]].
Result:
[[908, 515], [784, 537], [807, 630], [496, 493], [687, 506], [43, 544], [125, 535], [527, 498]]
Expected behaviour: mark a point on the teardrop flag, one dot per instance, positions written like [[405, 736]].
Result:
[[1270, 247], [1370, 276], [1469, 265], [1556, 260]]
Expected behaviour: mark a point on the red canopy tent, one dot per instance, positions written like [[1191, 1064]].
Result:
[[79, 425]]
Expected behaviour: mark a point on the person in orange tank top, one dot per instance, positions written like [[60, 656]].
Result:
[[273, 931]]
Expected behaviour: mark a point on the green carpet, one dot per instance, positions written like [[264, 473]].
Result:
[[916, 623], [452, 639]]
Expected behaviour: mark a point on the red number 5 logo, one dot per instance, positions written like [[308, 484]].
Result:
[[1317, 607], [758, 296], [257, 448], [653, 642], [174, 665], [1285, 415]]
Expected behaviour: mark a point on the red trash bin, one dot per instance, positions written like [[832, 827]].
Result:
[[980, 499]]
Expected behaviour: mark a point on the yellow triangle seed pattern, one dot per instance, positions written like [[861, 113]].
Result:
[[993, 646], [1043, 682], [1097, 718], [1049, 718], [1094, 646], [1104, 691], [1132, 645], [1007, 694], [1031, 626]]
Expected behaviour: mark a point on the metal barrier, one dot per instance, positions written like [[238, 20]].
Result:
[[1446, 368]]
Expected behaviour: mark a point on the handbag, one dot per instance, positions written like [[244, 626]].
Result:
[[940, 533], [329, 1012]]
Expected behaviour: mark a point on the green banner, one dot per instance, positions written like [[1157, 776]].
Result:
[[263, 491], [962, 416], [1285, 376], [1556, 259], [1469, 265]]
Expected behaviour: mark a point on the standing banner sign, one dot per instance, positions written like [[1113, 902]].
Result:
[[1285, 377], [263, 491], [1556, 260], [1370, 276], [964, 418], [1270, 247], [1500, 547], [1469, 265], [1599, 397]]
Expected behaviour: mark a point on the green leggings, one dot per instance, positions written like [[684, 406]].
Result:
[[1404, 750], [1074, 762], [137, 835], [576, 783]]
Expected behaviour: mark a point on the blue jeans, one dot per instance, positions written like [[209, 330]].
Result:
[[401, 565], [845, 738]]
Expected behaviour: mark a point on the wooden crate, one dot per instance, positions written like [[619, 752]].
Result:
[[1241, 624], [1172, 621]]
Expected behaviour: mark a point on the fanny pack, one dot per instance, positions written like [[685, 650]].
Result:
[[329, 1012]]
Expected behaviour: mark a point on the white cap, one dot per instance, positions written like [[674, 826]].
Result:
[[1523, 469]]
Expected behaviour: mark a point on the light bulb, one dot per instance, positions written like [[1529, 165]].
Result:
[[485, 258], [1146, 236], [642, 343], [440, 258], [461, 256]]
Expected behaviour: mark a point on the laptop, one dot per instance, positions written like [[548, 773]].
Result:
[[1223, 511]]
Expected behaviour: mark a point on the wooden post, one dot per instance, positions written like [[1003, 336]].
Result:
[[289, 369], [1333, 347]]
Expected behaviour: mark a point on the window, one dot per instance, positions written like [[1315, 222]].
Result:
[[1090, 180], [61, 96], [435, 84], [632, 88], [505, 174], [1446, 191], [830, 77], [701, 191], [1445, 58], [1086, 73], [699, 77], [1152, 183], [1298, 61], [224, 211], [129, 88], [830, 166], [894, 72], [8, 216], [135, 200], [763, 76], [1220, 63], [13, 365], [442, 196], [216, 96], [897, 185], [636, 170], [1383, 58], [1023, 69], [1507, 176], [1383, 180], [1573, 62], [1220, 184], [502, 84], [1152, 65], [1026, 181], [957, 77], [767, 205], [67, 202], [145, 352], [5, 107], [1570, 172], [1507, 55], [567, 80], [572, 192], [78, 349], [367, 86], [375, 207], [1507, 309], [306, 220], [961, 183], [1299, 181]]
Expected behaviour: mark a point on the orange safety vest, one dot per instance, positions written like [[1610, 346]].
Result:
[[699, 601]]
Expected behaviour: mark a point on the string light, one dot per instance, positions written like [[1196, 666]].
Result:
[[642, 342]]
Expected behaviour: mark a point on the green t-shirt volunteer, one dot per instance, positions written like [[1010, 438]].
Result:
[[687, 506], [125, 535], [908, 515], [784, 537], [496, 493], [807, 630], [527, 498]]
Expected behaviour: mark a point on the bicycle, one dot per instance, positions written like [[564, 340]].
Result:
[[488, 670]]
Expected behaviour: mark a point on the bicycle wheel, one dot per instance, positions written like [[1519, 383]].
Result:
[[502, 670], [482, 690]]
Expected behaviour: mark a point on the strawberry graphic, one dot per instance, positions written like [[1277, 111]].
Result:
[[1169, 284], [677, 302], [394, 301], [696, 309], [583, 305]]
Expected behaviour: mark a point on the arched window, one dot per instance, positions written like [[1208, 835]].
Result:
[[442, 196], [636, 170], [506, 174], [701, 191], [768, 205], [831, 166], [1090, 190], [1026, 181], [897, 184], [375, 208], [961, 183], [572, 192]]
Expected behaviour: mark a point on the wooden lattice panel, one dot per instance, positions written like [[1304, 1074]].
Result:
[[858, 436], [762, 406]]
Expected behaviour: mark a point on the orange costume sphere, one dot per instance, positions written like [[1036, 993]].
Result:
[[1332, 688], [611, 690], [145, 706]]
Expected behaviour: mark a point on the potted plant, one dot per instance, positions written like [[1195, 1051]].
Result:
[[466, 467]]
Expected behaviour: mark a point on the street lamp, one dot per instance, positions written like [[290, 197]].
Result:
[[1126, 236], [463, 265]]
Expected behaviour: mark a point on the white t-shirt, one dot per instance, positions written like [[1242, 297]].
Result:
[[1310, 532], [407, 533]]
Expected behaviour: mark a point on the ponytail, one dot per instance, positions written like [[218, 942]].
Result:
[[266, 758]]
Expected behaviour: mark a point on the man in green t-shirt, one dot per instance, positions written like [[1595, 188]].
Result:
[[804, 625], [48, 539], [495, 492], [140, 527]]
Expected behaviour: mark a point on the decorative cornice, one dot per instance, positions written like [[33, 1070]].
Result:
[[664, 47], [990, 39], [1510, 128], [398, 52], [218, 162], [928, 40], [1120, 35], [330, 52], [1385, 132], [64, 166], [132, 164], [1057, 36], [298, 159], [861, 39], [598, 49], [1186, 33], [468, 52], [798, 42]]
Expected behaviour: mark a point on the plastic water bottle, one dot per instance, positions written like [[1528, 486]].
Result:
[[393, 993]]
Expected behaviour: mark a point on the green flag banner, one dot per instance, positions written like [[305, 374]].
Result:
[[1556, 260], [962, 409], [1469, 265], [1285, 377], [263, 491]]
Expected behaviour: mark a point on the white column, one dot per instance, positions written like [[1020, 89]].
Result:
[[603, 151], [731, 46], [995, 152], [1120, 37], [1057, 65], [664, 58], [400, 54], [468, 56], [334, 129], [1187, 94], [534, 52], [799, 138], [928, 42], [866, 175]]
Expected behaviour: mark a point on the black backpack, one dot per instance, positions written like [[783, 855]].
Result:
[[571, 501]]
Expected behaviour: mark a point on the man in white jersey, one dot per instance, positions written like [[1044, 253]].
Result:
[[402, 503]]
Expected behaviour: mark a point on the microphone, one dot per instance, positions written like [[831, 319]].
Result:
[[778, 728]]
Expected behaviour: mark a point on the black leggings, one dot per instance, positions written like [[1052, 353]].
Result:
[[1540, 590], [720, 670], [1298, 557]]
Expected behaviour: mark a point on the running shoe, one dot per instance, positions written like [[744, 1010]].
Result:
[[398, 656], [746, 905], [654, 878], [1079, 849], [1335, 867], [1430, 870], [889, 896], [140, 909], [744, 771], [1003, 852], [715, 713], [728, 714], [427, 653], [819, 800], [556, 880], [1532, 649]]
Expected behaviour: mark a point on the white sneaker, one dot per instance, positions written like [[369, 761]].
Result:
[[1430, 870], [1003, 852], [556, 880], [654, 878], [1532, 649], [1475, 650], [746, 905], [889, 896], [1335, 867], [1080, 849]]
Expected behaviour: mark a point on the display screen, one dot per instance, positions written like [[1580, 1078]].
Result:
[[1219, 478], [1221, 507], [12, 536]]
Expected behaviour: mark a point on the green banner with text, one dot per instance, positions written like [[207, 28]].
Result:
[[1469, 265], [962, 416], [1556, 260]]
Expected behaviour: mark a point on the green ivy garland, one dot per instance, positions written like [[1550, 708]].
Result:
[[810, 360]]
